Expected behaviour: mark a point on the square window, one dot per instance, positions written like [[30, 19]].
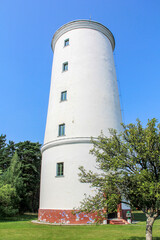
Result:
[[61, 131], [66, 42], [60, 169], [64, 96], [65, 66]]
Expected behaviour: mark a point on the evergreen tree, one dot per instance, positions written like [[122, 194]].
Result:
[[9, 152], [13, 180], [2, 151], [8, 197], [20, 164], [30, 158], [7, 200], [6, 152]]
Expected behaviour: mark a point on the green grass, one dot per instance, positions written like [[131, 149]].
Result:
[[21, 228]]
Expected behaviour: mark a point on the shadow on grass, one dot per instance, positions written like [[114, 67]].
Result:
[[139, 216], [140, 238], [24, 217]]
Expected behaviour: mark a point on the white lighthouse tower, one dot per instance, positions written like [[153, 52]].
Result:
[[83, 101]]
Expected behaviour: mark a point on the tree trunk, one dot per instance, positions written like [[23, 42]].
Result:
[[149, 225]]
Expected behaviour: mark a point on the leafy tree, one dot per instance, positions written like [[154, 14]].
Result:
[[13, 171], [21, 170], [11, 185], [106, 195], [9, 152], [6, 152], [13, 174], [30, 158], [133, 160], [8, 198], [2, 151]]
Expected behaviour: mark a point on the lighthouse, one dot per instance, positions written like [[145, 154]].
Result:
[[83, 101]]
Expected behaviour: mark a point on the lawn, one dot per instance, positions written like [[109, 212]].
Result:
[[21, 228]]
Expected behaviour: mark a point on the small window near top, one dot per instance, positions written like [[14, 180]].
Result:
[[60, 169], [66, 42], [64, 96], [65, 66], [61, 130]]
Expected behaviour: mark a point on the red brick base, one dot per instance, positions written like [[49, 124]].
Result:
[[66, 216], [73, 217]]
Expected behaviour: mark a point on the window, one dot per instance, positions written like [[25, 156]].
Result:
[[60, 169], [61, 130], [64, 96], [65, 66], [66, 42]]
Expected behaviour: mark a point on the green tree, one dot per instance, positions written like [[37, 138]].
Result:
[[2, 151], [22, 170], [133, 160], [6, 152], [12, 183], [13, 171], [13, 176], [30, 158], [8, 197], [7, 200], [9, 152], [106, 195]]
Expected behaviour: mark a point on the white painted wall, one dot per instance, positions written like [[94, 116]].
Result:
[[64, 192], [92, 105], [90, 83]]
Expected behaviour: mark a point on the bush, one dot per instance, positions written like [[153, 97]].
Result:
[[8, 199]]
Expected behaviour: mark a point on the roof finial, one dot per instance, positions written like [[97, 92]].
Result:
[[90, 18]]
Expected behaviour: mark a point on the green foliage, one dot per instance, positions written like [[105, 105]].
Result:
[[133, 160], [6, 152], [12, 174], [133, 157], [30, 158], [7, 200], [2, 151], [105, 197], [20, 165], [10, 189]]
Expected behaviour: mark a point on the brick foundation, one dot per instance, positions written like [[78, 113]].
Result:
[[71, 217], [66, 217]]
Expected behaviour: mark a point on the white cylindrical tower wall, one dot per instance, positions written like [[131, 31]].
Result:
[[92, 105]]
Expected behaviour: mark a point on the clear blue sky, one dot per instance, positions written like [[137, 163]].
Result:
[[26, 30]]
